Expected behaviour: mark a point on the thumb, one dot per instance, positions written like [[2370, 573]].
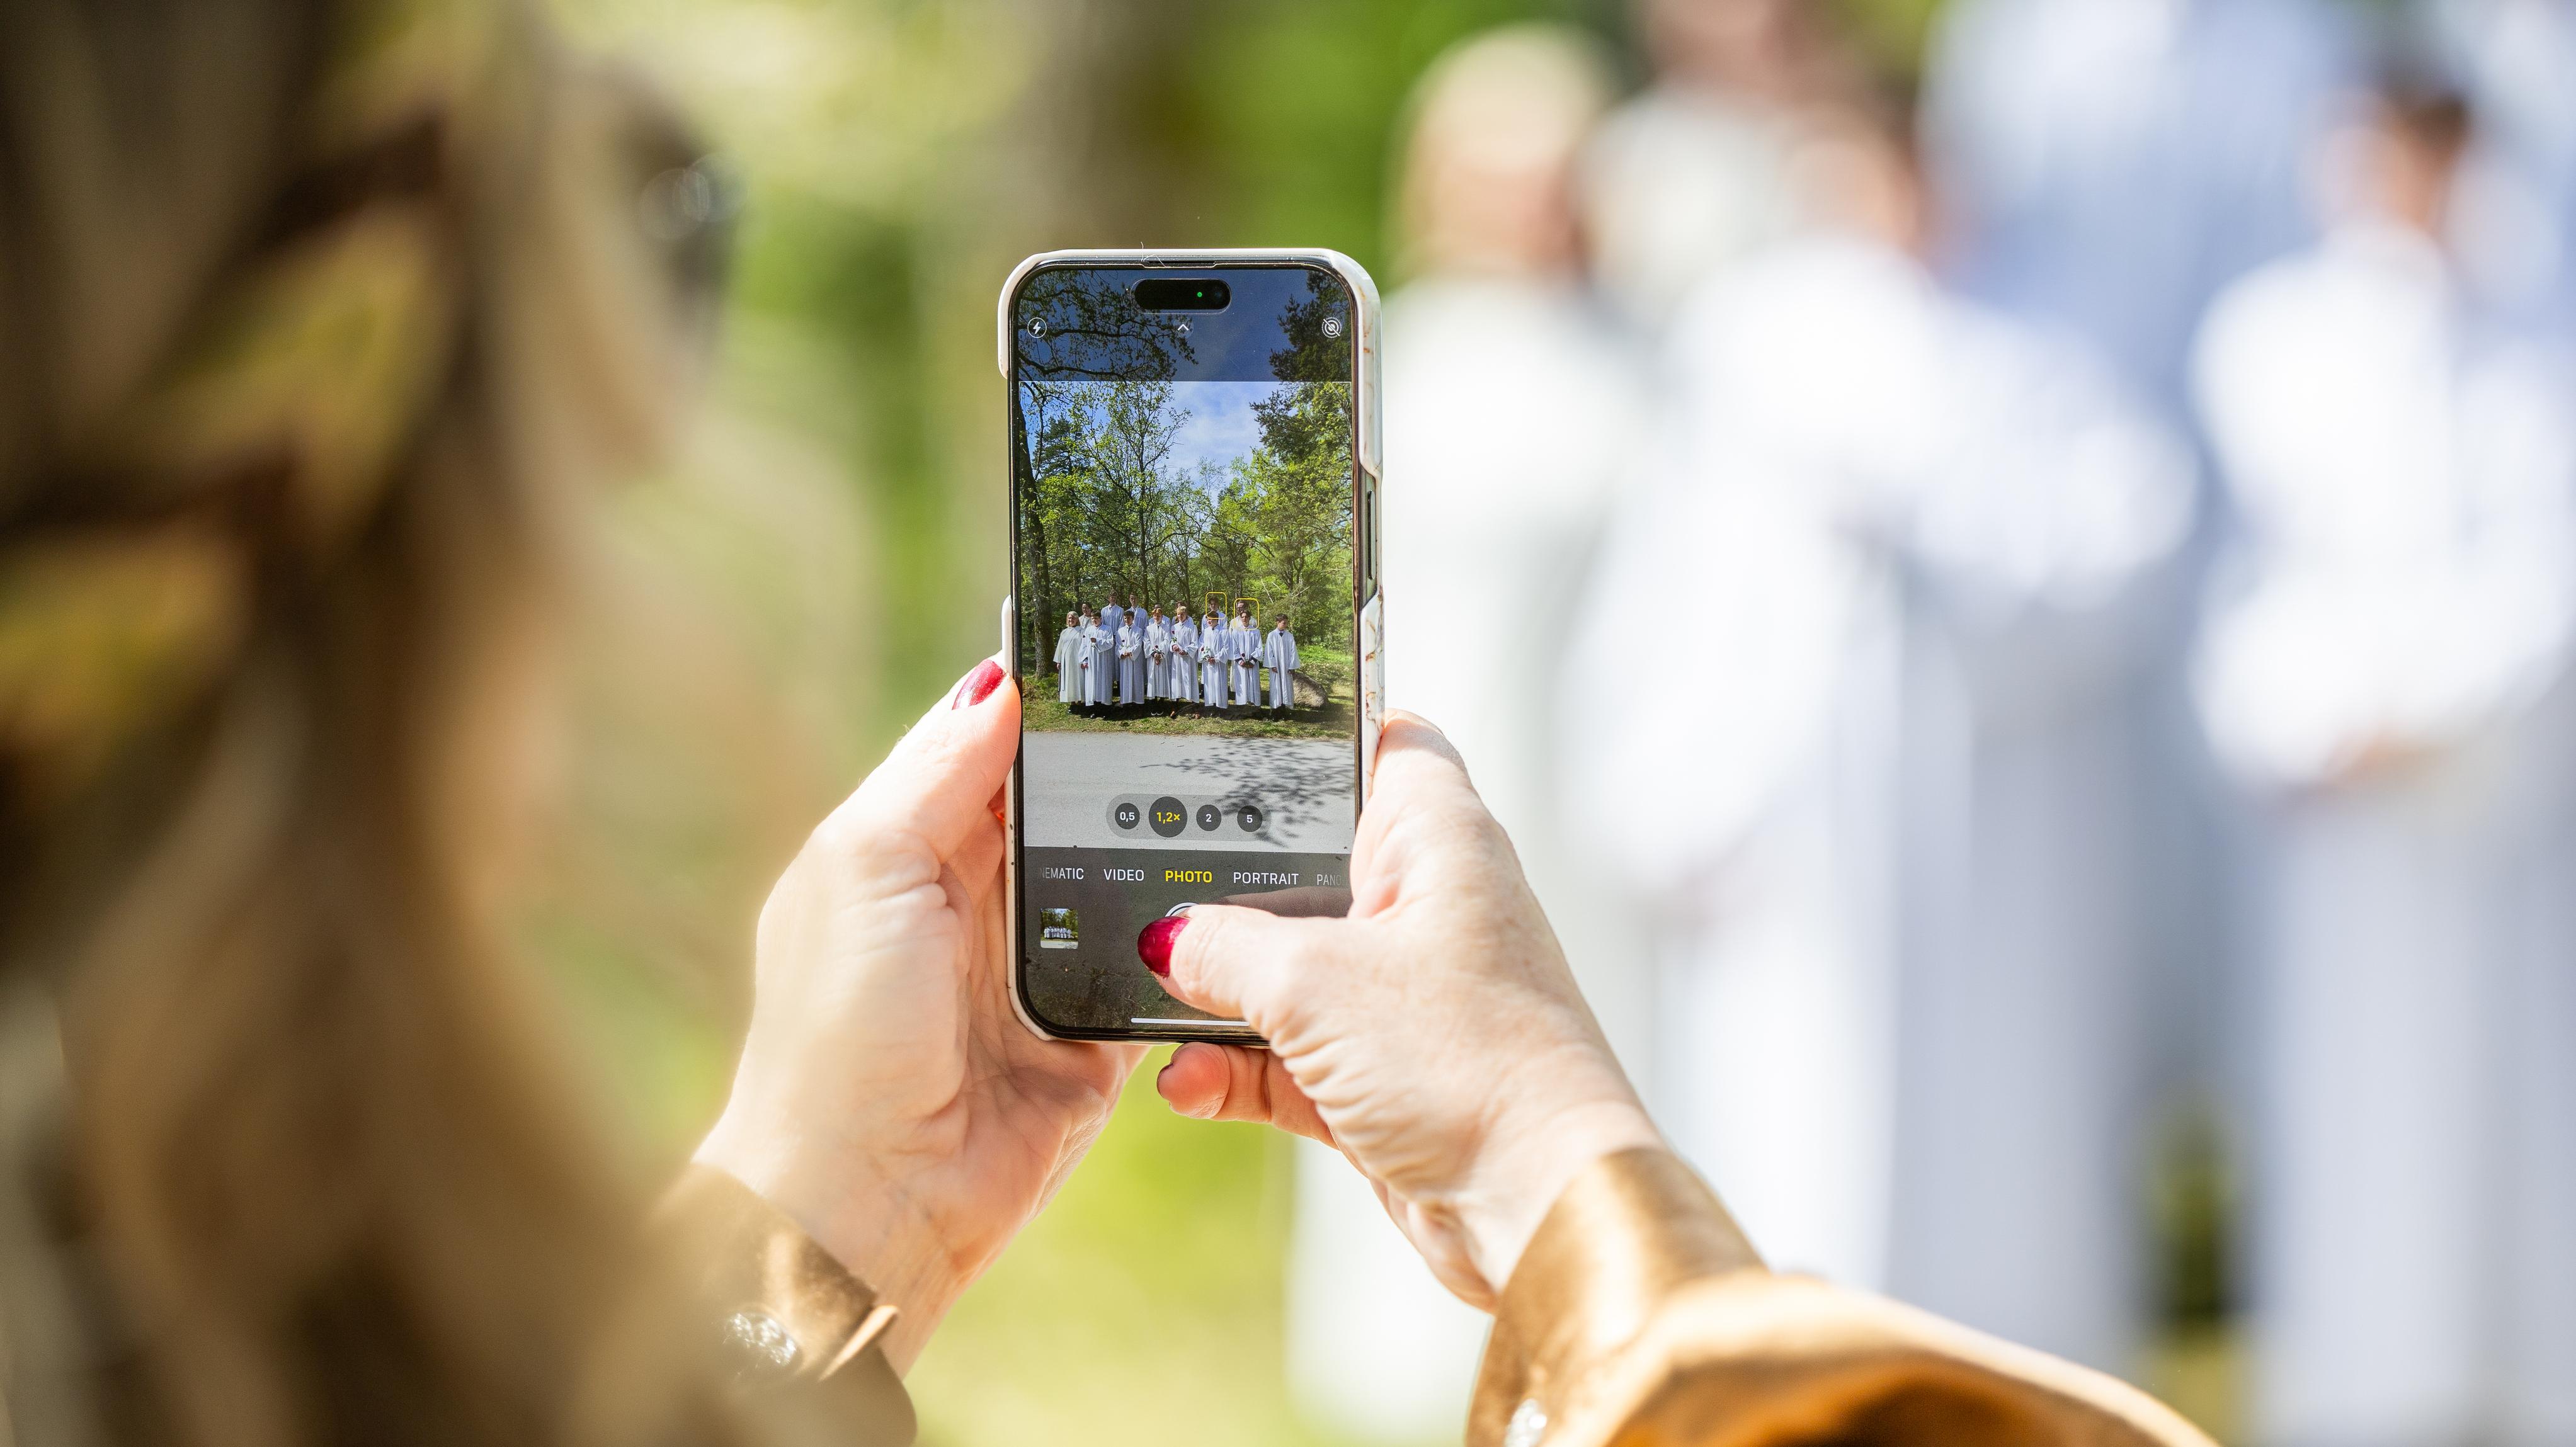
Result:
[[1243, 964]]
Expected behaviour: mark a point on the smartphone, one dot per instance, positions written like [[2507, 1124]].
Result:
[[1194, 619]]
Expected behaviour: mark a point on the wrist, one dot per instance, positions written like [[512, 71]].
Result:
[[876, 1230], [1517, 1179]]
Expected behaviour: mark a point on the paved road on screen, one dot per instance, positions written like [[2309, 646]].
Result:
[[1304, 787]]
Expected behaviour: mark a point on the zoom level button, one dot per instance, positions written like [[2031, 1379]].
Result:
[[1168, 816]]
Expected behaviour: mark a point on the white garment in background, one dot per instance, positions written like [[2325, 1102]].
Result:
[[1674, 185], [1243, 648], [1279, 655], [1112, 618], [2515, 210], [1095, 666], [1068, 665], [1158, 659], [1215, 653], [2110, 164], [2386, 669], [1131, 664], [1878, 594], [1185, 659], [1510, 412]]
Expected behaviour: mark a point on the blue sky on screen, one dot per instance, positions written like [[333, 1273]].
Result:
[[1221, 426]]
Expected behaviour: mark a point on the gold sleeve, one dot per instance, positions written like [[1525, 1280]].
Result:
[[1640, 1315], [790, 1317]]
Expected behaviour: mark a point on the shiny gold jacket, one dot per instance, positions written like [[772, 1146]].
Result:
[[1639, 1315]]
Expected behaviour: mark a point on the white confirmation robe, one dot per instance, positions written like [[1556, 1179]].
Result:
[[1131, 664], [2389, 678], [1068, 665], [1216, 653], [1279, 655], [1158, 659], [1243, 645], [1184, 682]]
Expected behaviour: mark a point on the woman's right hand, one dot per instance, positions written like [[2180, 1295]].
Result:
[[1435, 1036]]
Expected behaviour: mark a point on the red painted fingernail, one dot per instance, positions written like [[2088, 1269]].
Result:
[[1154, 946], [979, 685]]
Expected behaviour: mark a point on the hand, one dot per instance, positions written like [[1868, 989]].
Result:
[[888, 1099], [1434, 1036]]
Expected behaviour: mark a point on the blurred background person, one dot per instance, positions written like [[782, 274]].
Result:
[[1511, 404], [1884, 580], [2109, 165], [2106, 166], [2386, 672], [2515, 201], [1689, 175]]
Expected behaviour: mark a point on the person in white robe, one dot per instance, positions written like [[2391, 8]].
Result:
[[1692, 174], [1088, 695], [1104, 661], [1243, 646], [1911, 537], [1512, 404], [1279, 655], [1111, 621], [2514, 223], [1158, 656], [1131, 662], [1068, 660], [1216, 660], [1185, 656], [2110, 165], [2387, 672]]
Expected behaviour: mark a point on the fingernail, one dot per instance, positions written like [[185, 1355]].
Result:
[[979, 685], [1154, 946]]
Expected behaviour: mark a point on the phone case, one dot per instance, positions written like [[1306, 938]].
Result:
[[1367, 511]]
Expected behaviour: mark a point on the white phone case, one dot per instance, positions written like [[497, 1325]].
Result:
[[1368, 507]]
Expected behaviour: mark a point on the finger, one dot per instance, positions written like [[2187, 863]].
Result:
[[1229, 1082], [940, 779], [1418, 750], [1236, 962]]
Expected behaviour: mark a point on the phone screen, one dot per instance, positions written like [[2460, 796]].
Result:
[[1182, 510]]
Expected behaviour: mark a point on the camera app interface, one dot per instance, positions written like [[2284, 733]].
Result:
[[1182, 527]]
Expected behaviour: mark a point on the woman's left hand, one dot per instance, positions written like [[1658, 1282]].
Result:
[[888, 1099]]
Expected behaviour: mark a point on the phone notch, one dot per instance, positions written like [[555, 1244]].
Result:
[[1184, 294]]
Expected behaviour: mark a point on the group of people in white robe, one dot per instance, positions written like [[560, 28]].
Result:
[[2130, 662], [1123, 656]]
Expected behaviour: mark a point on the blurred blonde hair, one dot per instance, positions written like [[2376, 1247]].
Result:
[[319, 314], [1491, 139]]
